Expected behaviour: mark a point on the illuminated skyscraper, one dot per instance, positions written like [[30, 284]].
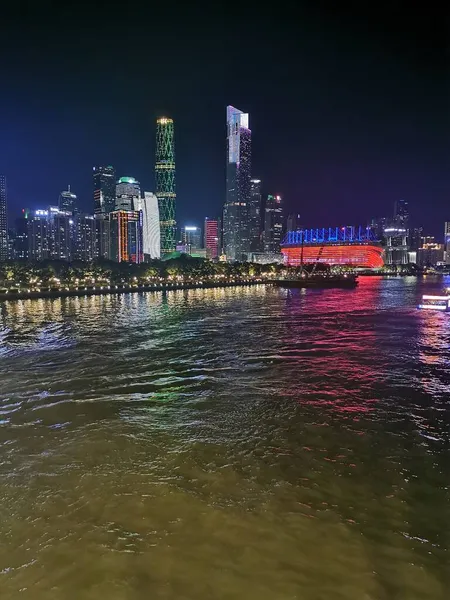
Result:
[[165, 182], [128, 193], [126, 236], [236, 230], [68, 201], [85, 242], [3, 220], [273, 224], [211, 238], [255, 221], [104, 190], [191, 236], [151, 239]]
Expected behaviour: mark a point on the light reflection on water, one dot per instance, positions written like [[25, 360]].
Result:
[[226, 443]]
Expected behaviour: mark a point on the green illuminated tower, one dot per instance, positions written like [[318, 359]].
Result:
[[165, 182]]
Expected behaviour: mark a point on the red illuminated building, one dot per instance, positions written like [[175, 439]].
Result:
[[350, 246], [211, 238]]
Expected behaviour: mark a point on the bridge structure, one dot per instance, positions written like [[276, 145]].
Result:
[[350, 245]]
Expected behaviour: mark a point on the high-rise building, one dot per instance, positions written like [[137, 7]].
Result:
[[377, 225], [293, 222], [21, 238], [39, 235], [431, 253], [104, 190], [191, 236], [165, 182], [447, 241], [396, 249], [236, 231], [61, 233], [255, 215], [211, 238], [126, 236], [128, 193], [273, 224], [103, 236], [3, 220], [85, 242], [401, 213], [151, 238], [68, 201]]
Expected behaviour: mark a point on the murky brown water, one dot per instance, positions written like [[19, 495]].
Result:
[[246, 443]]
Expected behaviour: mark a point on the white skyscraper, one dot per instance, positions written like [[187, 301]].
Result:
[[150, 225]]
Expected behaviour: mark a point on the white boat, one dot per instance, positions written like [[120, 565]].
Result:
[[430, 302]]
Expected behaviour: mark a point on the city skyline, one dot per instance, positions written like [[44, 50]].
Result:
[[347, 127]]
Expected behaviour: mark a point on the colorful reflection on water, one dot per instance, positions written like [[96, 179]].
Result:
[[226, 443]]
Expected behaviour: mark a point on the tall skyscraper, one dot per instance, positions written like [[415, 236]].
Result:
[[39, 235], [273, 224], [211, 238], [165, 182], [447, 241], [3, 220], [21, 239], [255, 220], [128, 193], [151, 238], [191, 236], [85, 246], [401, 213], [126, 236], [68, 201], [293, 222], [236, 231], [104, 190]]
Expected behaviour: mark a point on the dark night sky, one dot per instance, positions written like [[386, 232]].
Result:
[[349, 107]]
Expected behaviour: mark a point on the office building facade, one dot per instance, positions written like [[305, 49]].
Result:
[[39, 235], [128, 193], [211, 240], [165, 183], [85, 242], [191, 236], [126, 243], [151, 238], [273, 223], [236, 230], [104, 180], [3, 220], [68, 201], [255, 215]]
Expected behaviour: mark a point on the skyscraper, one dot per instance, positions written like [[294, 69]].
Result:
[[255, 221], [273, 224], [236, 234], [126, 236], [68, 201], [401, 213], [165, 182], [191, 236], [3, 220], [39, 235], [211, 238], [128, 193], [293, 222], [151, 239], [85, 246], [104, 189]]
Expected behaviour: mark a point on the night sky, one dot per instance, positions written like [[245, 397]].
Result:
[[349, 107]]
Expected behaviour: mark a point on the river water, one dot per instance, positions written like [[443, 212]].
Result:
[[245, 443]]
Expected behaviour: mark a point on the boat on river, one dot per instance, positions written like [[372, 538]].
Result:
[[319, 281], [431, 302]]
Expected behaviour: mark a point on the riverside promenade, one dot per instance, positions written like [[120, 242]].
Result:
[[63, 292]]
